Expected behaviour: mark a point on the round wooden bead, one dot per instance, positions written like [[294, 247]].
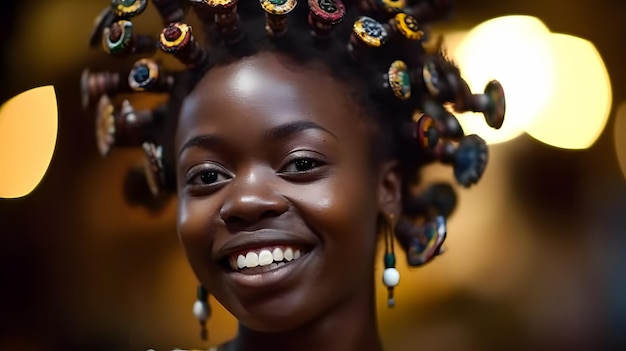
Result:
[[178, 40], [118, 38], [146, 75], [496, 104], [276, 12], [324, 14], [426, 133]]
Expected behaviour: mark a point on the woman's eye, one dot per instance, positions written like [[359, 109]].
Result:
[[301, 165], [206, 176]]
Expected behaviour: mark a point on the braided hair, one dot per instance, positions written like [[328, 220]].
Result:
[[380, 49]]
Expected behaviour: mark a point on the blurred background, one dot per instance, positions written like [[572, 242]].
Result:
[[534, 253]]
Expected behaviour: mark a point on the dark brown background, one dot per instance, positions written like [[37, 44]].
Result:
[[535, 251]]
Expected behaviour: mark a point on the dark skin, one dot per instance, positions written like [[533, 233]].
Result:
[[273, 153]]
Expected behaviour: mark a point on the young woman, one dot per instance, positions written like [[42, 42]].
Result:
[[293, 142]]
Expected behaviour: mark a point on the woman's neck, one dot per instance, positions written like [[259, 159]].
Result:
[[349, 327]]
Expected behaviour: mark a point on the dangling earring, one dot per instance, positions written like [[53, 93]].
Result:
[[391, 276], [202, 310]]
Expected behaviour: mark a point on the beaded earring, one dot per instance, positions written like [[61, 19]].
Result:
[[391, 276], [202, 310]]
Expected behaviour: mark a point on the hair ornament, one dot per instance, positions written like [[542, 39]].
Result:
[[128, 8], [103, 20], [491, 103], [125, 128], [178, 40], [95, 84], [470, 160], [276, 12], [170, 10], [422, 243], [323, 15], [147, 75], [407, 26], [425, 132], [154, 168], [119, 39]]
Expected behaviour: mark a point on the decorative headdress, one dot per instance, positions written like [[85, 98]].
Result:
[[391, 35]]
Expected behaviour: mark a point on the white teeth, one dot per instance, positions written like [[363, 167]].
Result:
[[252, 259], [273, 258], [241, 261], [278, 254], [265, 258], [288, 254]]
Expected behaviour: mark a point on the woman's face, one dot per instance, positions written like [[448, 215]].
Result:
[[278, 197]]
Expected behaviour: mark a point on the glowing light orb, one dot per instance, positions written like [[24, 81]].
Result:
[[515, 50], [28, 132], [580, 103]]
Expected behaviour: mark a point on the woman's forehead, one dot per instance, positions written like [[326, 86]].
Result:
[[264, 91]]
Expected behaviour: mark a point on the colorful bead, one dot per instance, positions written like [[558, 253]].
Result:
[[105, 125], [119, 39], [146, 75], [178, 40], [426, 133], [399, 80], [407, 26], [431, 78], [276, 12], [170, 10], [370, 32], [128, 8], [470, 160], [324, 14], [425, 243]]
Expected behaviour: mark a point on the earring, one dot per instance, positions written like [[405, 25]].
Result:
[[391, 276], [202, 310]]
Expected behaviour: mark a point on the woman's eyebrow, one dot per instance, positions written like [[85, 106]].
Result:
[[206, 141], [288, 129]]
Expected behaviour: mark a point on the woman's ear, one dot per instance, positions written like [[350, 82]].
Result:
[[390, 188]]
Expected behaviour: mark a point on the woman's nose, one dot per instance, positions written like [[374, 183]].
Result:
[[252, 197]]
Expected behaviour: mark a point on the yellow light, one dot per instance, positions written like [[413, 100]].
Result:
[[28, 132], [581, 101], [620, 136], [516, 51]]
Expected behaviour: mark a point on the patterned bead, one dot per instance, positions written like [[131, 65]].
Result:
[[324, 14], [407, 26], [367, 36], [493, 105], [276, 12], [399, 81], [147, 75], [119, 39], [105, 125], [178, 40], [128, 8], [425, 132], [470, 160], [424, 243], [431, 78]]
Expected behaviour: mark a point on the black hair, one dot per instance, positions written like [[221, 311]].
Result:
[[398, 135]]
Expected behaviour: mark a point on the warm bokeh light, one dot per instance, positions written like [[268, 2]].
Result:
[[28, 133], [580, 103], [620, 136], [515, 50]]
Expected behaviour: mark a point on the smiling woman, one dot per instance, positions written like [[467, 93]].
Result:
[[295, 150]]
